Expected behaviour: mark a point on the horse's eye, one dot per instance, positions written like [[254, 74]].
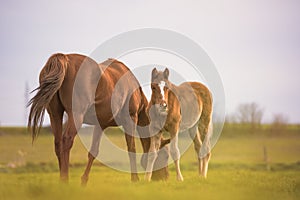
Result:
[[152, 87]]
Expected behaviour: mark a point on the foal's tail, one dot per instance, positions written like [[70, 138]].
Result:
[[51, 79], [205, 126]]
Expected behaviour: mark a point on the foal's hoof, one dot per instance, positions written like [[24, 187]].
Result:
[[202, 177], [147, 177], [180, 178]]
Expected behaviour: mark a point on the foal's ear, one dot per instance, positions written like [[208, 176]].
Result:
[[154, 73], [166, 73]]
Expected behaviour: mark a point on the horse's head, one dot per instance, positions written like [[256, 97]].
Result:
[[160, 89]]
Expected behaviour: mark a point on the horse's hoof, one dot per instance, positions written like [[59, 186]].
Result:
[[84, 181], [64, 179], [135, 178]]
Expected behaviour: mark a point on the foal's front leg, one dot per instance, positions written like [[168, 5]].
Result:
[[152, 154], [175, 153]]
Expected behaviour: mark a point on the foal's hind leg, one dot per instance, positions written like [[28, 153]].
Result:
[[194, 133], [205, 150], [93, 153], [205, 154]]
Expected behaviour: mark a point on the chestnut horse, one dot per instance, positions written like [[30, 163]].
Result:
[[77, 85], [176, 109]]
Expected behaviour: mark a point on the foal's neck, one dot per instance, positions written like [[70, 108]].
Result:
[[172, 87]]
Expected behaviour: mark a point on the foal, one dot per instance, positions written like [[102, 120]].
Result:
[[176, 109]]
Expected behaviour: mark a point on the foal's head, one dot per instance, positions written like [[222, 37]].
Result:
[[160, 88]]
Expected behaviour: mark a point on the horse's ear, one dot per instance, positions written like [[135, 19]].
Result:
[[154, 73], [166, 73]]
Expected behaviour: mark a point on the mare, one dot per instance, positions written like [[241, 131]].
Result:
[[86, 91]]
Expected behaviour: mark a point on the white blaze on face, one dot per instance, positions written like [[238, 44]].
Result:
[[161, 85]]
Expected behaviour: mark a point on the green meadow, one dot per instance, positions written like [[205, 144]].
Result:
[[244, 165]]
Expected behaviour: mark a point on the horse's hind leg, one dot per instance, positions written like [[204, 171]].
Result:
[[93, 153], [73, 124], [194, 134], [56, 111]]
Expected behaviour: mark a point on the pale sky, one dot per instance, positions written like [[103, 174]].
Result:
[[255, 45]]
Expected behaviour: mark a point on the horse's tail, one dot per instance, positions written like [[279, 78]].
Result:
[[51, 79]]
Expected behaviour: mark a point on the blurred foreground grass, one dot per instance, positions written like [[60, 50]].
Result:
[[238, 170]]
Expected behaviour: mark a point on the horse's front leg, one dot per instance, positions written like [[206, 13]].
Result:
[[175, 153], [152, 155], [132, 156]]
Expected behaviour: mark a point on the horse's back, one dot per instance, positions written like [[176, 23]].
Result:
[[99, 90], [114, 70], [119, 79], [118, 92]]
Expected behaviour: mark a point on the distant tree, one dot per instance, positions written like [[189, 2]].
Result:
[[230, 119], [250, 113], [279, 123]]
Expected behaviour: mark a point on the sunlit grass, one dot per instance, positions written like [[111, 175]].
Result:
[[238, 170], [106, 183]]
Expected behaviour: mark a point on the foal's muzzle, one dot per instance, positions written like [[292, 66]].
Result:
[[163, 107]]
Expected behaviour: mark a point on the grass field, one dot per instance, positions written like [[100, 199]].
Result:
[[239, 169]]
